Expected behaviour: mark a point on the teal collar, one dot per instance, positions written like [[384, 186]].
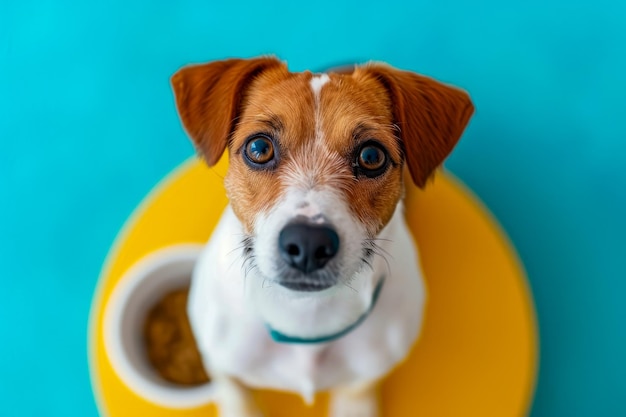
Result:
[[283, 338]]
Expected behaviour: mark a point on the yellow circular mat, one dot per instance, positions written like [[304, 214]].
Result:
[[477, 355]]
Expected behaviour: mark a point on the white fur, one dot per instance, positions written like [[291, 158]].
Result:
[[317, 83], [232, 334]]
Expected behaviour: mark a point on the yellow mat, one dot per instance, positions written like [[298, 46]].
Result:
[[477, 355]]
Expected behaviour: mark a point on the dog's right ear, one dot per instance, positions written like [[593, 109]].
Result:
[[209, 97]]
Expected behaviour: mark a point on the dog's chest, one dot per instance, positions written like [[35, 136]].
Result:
[[305, 369], [293, 368], [239, 344]]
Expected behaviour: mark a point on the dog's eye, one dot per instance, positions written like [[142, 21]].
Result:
[[259, 150], [371, 159]]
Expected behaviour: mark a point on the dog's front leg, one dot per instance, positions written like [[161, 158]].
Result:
[[359, 400], [233, 398]]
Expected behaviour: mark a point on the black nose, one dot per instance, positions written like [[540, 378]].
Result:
[[307, 247]]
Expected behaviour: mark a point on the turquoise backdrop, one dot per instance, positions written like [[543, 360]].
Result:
[[88, 126]]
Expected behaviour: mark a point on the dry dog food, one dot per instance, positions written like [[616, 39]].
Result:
[[170, 344]]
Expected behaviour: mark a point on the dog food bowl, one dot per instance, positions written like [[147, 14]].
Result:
[[476, 356], [138, 290]]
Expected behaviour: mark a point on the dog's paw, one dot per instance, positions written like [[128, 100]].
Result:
[[354, 406]]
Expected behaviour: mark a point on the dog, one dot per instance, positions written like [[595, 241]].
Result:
[[311, 279]]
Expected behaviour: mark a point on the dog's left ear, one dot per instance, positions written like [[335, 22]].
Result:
[[431, 117], [209, 97]]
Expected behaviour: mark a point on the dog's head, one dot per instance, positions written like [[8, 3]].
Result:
[[316, 160]]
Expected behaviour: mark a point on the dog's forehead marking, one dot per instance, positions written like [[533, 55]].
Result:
[[317, 82]]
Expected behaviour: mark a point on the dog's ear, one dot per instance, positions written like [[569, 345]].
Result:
[[209, 97], [431, 117]]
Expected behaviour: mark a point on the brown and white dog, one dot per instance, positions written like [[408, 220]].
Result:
[[311, 280]]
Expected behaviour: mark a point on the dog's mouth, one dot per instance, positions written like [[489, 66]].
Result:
[[304, 286], [313, 282]]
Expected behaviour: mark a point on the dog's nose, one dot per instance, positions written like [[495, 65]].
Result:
[[307, 247]]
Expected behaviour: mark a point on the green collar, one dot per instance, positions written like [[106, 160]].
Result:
[[283, 338]]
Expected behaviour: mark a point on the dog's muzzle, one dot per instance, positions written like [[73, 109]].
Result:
[[307, 248]]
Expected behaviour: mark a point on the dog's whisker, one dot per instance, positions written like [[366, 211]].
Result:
[[248, 255], [242, 246], [379, 249], [351, 287], [245, 273], [384, 258], [373, 239], [233, 263], [368, 263]]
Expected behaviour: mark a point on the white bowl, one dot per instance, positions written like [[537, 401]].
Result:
[[139, 289]]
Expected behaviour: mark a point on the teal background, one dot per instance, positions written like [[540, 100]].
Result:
[[88, 126]]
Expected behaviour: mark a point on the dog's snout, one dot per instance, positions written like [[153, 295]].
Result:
[[308, 247]]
